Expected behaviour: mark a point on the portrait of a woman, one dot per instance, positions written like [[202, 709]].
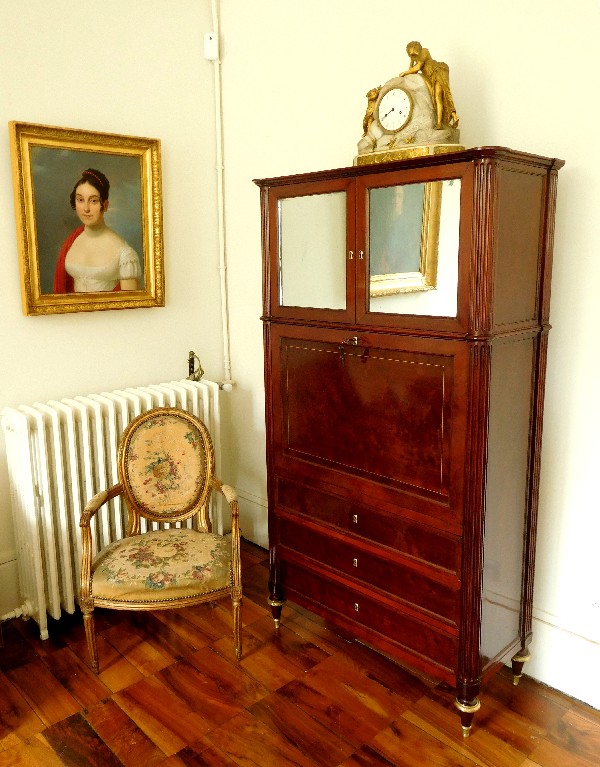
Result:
[[95, 258]]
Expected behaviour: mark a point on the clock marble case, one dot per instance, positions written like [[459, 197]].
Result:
[[384, 136]]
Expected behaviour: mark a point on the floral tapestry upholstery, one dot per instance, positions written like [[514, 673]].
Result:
[[163, 564], [165, 465]]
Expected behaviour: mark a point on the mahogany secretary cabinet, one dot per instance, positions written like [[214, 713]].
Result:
[[406, 312]]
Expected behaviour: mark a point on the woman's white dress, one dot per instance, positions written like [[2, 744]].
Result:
[[93, 279]]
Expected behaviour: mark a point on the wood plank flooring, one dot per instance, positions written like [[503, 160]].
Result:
[[170, 693]]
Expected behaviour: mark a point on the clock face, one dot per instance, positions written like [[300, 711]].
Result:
[[394, 110]]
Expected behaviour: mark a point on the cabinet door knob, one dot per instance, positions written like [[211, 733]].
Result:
[[355, 562], [355, 519], [356, 606], [350, 255], [361, 254]]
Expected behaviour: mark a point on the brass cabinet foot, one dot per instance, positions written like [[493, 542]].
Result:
[[276, 606], [518, 661], [467, 712]]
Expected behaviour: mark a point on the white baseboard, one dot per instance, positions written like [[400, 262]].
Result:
[[9, 583], [564, 660], [254, 518], [9, 555]]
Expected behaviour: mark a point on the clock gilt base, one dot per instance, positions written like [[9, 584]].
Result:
[[406, 152]]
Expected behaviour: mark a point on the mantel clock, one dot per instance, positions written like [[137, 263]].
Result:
[[413, 114]]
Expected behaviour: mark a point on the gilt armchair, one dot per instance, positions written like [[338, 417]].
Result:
[[166, 474]]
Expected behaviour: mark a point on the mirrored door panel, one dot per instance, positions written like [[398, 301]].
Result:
[[412, 245], [313, 251]]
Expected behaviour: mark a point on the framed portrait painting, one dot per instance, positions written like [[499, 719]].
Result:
[[89, 219]]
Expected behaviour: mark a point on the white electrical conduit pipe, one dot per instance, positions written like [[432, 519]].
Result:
[[227, 383]]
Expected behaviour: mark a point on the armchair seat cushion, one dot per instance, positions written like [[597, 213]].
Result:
[[162, 565]]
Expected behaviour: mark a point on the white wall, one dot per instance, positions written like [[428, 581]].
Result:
[[295, 75]]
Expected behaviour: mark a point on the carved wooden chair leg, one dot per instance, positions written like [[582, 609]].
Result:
[[237, 625], [87, 608]]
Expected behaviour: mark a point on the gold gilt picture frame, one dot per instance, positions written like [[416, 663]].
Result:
[[89, 219], [404, 232]]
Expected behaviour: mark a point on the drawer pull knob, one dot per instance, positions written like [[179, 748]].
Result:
[[355, 562], [356, 606], [355, 519]]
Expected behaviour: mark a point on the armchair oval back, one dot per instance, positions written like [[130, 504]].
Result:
[[166, 464]]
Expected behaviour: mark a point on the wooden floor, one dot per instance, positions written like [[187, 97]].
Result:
[[170, 693]]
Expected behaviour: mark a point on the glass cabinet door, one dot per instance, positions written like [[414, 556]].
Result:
[[312, 251], [411, 233]]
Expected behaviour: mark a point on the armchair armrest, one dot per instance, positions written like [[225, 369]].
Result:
[[91, 508], [229, 493], [231, 498], [94, 504]]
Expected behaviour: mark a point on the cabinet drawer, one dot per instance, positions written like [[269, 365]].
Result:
[[410, 538], [371, 617], [429, 594]]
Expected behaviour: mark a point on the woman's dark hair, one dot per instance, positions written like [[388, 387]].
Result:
[[95, 178]]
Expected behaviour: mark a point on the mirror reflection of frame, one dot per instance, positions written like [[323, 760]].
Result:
[[47, 162], [404, 227]]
